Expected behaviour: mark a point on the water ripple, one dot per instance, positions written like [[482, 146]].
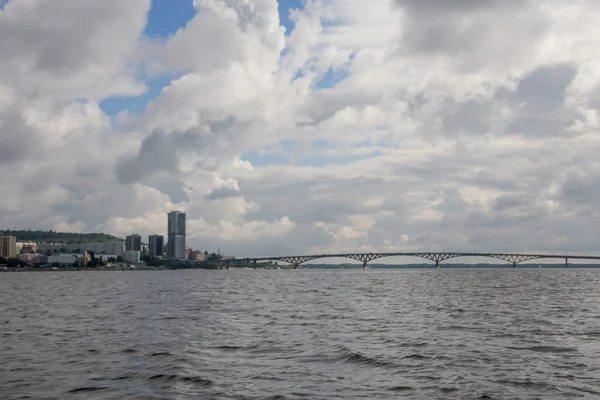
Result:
[[449, 334]]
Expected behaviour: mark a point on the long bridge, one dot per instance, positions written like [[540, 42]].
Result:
[[436, 257]]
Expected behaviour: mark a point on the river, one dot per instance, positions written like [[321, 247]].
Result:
[[306, 334]]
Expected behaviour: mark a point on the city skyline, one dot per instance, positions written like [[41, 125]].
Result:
[[289, 135]]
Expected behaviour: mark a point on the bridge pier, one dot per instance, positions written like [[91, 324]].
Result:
[[365, 265], [296, 266], [566, 262], [437, 264], [514, 264]]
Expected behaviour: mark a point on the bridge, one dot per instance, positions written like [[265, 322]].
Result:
[[436, 257]]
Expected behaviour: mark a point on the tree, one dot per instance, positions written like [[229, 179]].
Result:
[[214, 257]]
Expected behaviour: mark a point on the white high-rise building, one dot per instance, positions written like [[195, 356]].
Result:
[[176, 235]]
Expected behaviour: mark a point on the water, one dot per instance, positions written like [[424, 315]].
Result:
[[245, 334]]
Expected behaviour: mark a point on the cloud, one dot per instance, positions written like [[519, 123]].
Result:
[[403, 125]]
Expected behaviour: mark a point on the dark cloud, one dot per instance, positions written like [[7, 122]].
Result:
[[65, 45], [158, 152], [538, 103], [18, 142], [477, 34]]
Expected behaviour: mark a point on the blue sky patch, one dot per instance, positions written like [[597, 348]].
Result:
[[307, 158], [284, 13], [167, 16], [136, 105]]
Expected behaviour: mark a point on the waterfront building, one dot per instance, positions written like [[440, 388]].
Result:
[[156, 244], [1, 244], [197, 255], [115, 247], [26, 247], [176, 235], [33, 258], [69, 259], [132, 256], [133, 243], [9, 246]]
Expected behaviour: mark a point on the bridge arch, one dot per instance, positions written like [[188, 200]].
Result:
[[436, 257]]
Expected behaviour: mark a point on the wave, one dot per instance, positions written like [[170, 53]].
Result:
[[179, 378], [346, 355], [545, 349], [229, 347], [88, 389], [401, 388], [417, 357], [160, 353]]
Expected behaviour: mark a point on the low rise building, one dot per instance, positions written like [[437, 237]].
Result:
[[69, 259], [99, 248], [132, 256], [33, 258], [197, 255], [26, 247]]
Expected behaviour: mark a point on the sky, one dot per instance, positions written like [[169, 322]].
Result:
[[304, 127]]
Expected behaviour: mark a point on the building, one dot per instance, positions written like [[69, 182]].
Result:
[[9, 246], [27, 247], [133, 243], [176, 235], [197, 255], [33, 258], [69, 259], [99, 248], [132, 256], [156, 244], [1, 244]]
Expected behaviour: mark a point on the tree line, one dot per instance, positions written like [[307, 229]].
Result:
[[50, 236]]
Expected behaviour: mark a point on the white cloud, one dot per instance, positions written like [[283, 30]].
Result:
[[447, 124]]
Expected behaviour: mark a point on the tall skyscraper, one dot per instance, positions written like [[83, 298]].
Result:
[[176, 235], [155, 245], [133, 242]]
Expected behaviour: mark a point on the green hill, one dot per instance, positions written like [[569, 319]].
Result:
[[58, 237]]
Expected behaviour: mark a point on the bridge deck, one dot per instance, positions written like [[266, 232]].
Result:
[[437, 257]]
